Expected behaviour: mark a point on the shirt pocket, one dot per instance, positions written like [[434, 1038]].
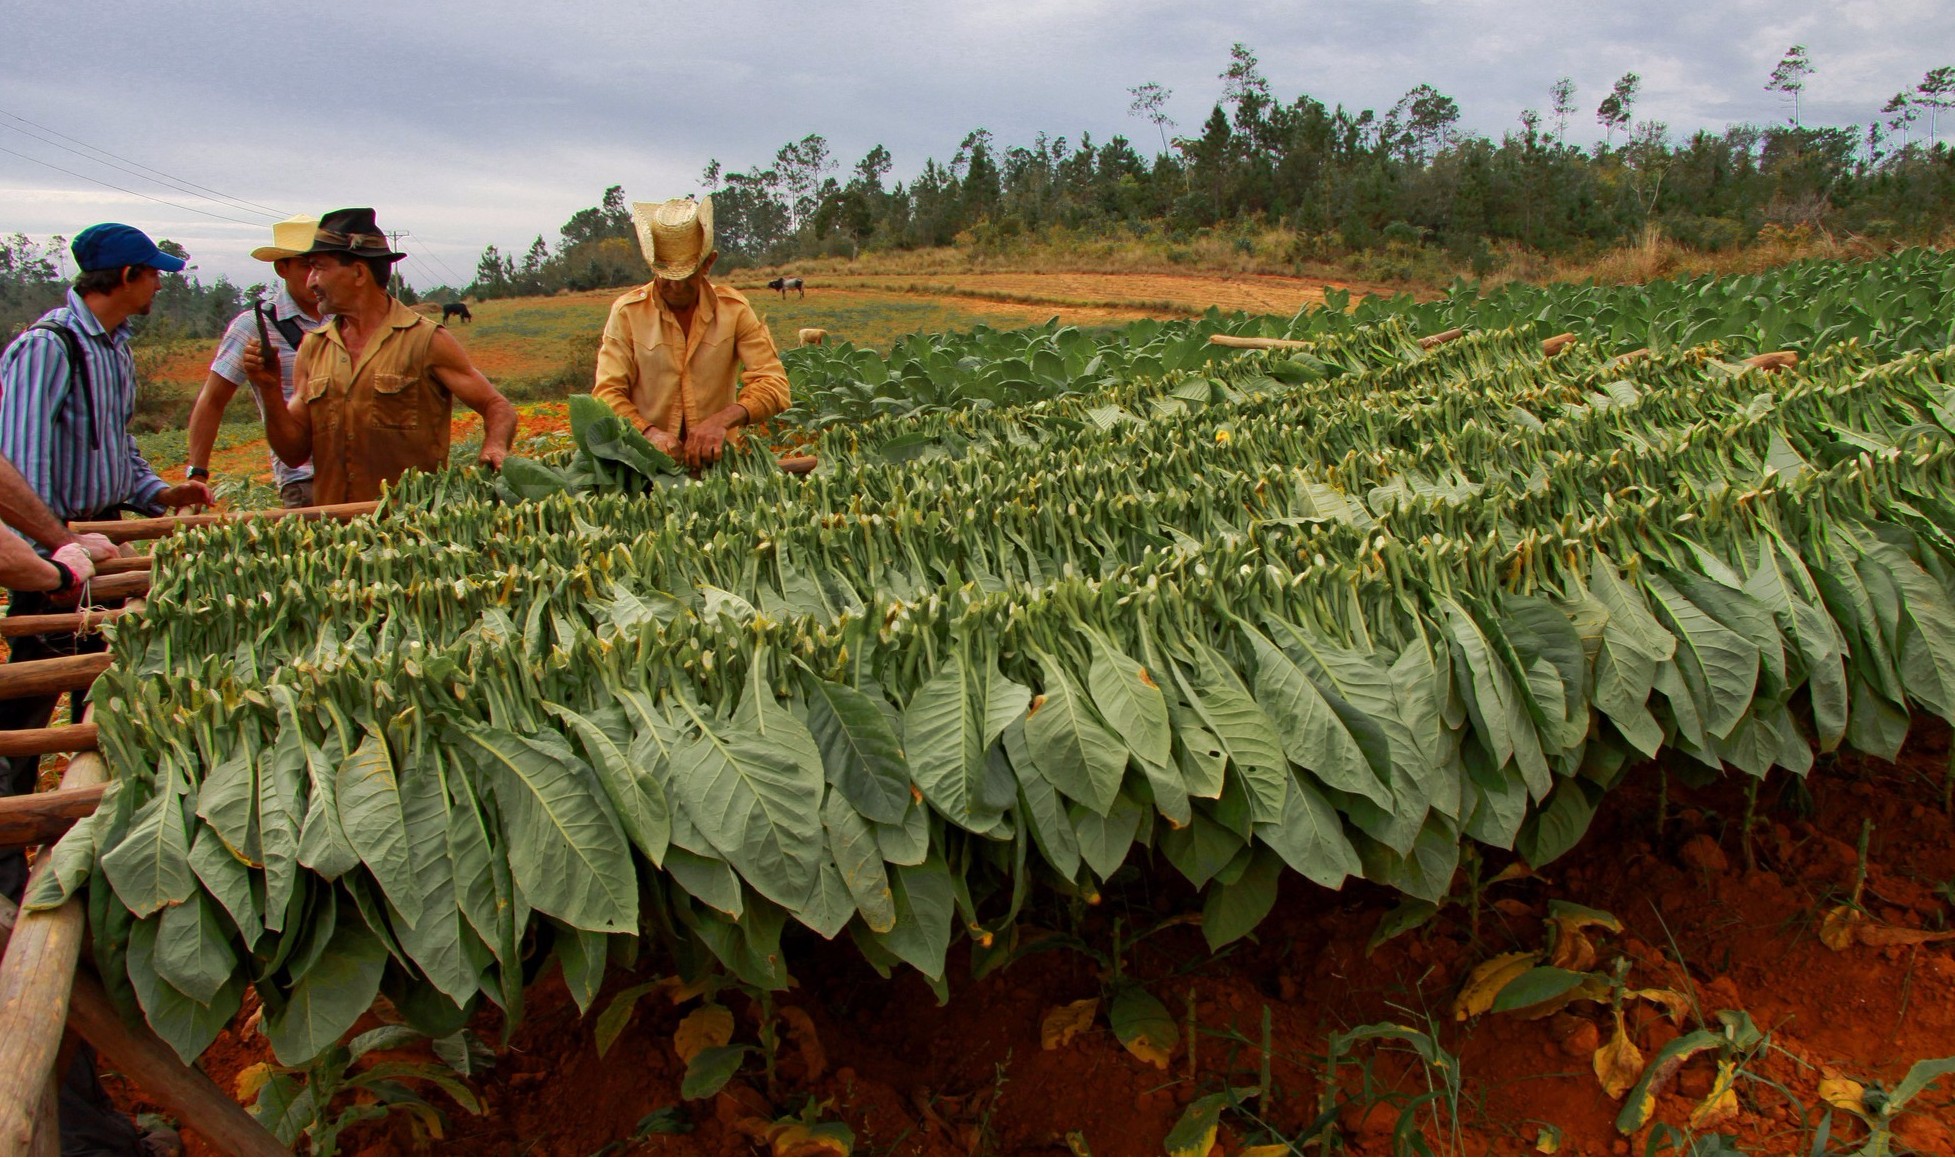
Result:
[[317, 385], [395, 404]]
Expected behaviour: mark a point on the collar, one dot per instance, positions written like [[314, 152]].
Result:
[[87, 323], [285, 306], [399, 317]]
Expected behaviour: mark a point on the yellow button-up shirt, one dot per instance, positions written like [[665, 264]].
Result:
[[651, 371]]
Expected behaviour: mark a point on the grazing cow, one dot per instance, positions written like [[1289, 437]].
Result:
[[785, 284], [456, 310], [813, 337]]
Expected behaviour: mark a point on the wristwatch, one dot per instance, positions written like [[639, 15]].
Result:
[[196, 472]]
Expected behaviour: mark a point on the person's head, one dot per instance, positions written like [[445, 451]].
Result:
[[290, 239], [120, 266], [677, 238], [340, 281], [348, 262]]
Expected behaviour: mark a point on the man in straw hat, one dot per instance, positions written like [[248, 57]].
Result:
[[376, 385], [291, 314], [672, 351]]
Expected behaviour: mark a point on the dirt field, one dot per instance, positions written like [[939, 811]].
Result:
[[911, 1077]]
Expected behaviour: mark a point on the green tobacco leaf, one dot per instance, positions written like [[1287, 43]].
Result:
[[1127, 696], [1310, 838], [859, 861], [1719, 667], [1071, 748], [1042, 807], [710, 1069], [1231, 911], [331, 996], [860, 751], [637, 797], [225, 878], [1143, 1025], [565, 849], [1246, 733], [227, 800], [924, 904], [441, 940], [1104, 840], [754, 790], [617, 1015], [369, 799], [193, 950], [582, 957], [1314, 736], [189, 1026], [1193, 1135], [68, 867], [281, 810], [323, 846], [150, 869], [1539, 984], [943, 731]]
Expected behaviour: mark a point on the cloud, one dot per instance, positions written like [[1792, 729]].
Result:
[[492, 121]]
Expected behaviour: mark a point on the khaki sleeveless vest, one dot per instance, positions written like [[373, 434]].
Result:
[[375, 420]]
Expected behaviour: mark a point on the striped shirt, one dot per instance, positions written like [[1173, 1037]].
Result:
[[45, 434], [228, 363]]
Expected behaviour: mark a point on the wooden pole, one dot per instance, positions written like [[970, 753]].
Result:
[[41, 741], [36, 977], [1782, 360], [1235, 343], [1555, 345], [42, 817], [126, 530], [46, 677], [62, 623], [800, 463], [148, 1061], [119, 586], [123, 565], [1440, 338]]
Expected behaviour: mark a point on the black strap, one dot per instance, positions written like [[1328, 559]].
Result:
[[79, 384], [290, 328]]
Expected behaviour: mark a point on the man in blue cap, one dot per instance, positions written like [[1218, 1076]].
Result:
[[67, 390]]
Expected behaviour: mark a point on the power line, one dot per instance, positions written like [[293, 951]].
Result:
[[174, 187], [132, 192], [182, 185]]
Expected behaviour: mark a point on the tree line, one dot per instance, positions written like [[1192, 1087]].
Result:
[[1343, 180]]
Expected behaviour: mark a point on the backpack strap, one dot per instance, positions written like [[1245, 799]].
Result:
[[79, 384], [290, 330]]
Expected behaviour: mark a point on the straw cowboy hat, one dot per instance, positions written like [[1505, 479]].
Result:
[[676, 235], [290, 238]]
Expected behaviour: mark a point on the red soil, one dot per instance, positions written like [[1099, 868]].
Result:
[[909, 1076]]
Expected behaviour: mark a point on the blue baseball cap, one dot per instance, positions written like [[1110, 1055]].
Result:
[[112, 245]]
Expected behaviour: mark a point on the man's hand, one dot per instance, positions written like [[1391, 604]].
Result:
[[99, 547], [705, 440], [75, 558], [492, 457], [264, 378], [190, 494], [662, 440]]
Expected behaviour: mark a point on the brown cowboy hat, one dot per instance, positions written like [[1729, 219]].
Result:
[[676, 235], [353, 232]]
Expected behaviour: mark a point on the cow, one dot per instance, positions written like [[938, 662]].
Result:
[[456, 310], [785, 284], [813, 337]]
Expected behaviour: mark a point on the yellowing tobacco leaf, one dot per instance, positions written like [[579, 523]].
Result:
[[1144, 1026], [1837, 926], [786, 1138], [1618, 1063], [251, 1079], [1878, 936], [1487, 980], [1721, 1104], [1266, 1150], [704, 1028], [1548, 1140], [1062, 1023], [678, 990], [1673, 1003], [801, 1031], [1843, 1094]]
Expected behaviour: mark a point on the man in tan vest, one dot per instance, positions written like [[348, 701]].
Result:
[[375, 388], [673, 354]]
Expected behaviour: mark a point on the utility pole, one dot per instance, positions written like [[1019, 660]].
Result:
[[394, 242]]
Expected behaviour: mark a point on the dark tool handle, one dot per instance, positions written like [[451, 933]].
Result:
[[266, 352]]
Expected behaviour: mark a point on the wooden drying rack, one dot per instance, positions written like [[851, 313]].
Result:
[[49, 996]]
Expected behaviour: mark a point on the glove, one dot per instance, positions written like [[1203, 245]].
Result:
[[98, 546], [75, 558]]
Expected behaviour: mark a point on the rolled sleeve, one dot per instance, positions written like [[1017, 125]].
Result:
[[617, 369], [763, 380]]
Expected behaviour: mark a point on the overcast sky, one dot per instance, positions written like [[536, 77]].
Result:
[[492, 121]]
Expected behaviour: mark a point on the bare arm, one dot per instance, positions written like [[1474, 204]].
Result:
[[23, 570], [449, 364], [207, 415], [287, 427], [23, 510]]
